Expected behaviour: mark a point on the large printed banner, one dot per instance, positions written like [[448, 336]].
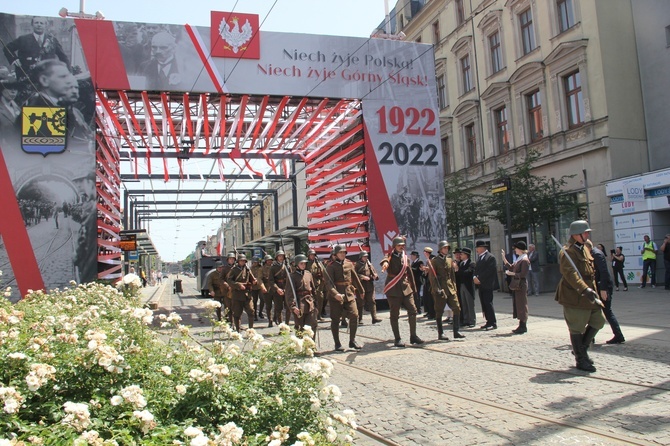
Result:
[[395, 81]]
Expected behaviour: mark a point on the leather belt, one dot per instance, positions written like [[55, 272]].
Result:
[[342, 283]]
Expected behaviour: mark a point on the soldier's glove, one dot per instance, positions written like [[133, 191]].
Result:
[[591, 295]]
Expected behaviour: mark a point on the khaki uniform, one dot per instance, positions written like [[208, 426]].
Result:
[[217, 285], [277, 281], [341, 294], [366, 272], [401, 294], [578, 310], [303, 283], [446, 278], [227, 302], [266, 295], [240, 281], [316, 268], [256, 290]]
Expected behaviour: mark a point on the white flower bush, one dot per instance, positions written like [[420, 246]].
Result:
[[88, 365]]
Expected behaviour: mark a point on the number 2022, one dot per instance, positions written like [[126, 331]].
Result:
[[411, 121], [400, 154]]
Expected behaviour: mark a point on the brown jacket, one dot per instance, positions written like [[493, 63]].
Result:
[[365, 269], [571, 286], [303, 283], [345, 279], [403, 287], [216, 283], [277, 277], [239, 279], [446, 275]]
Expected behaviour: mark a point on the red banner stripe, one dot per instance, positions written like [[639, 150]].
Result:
[[103, 54]]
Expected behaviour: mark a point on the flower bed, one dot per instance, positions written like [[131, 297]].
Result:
[[83, 366]]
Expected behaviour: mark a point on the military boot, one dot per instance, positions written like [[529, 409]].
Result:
[[580, 354], [587, 338], [336, 337], [521, 329], [440, 331], [413, 338], [457, 326]]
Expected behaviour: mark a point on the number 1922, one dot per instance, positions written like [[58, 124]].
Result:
[[411, 121]]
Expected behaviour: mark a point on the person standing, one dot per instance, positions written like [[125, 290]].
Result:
[[240, 281], [315, 267], [427, 292], [215, 285], [341, 290], [227, 297], [605, 290], [399, 292], [486, 278], [417, 273], [366, 272], [466, 288], [576, 292], [534, 276], [649, 250], [300, 296], [277, 286], [256, 289], [618, 262], [267, 296], [518, 272], [665, 247], [444, 289]]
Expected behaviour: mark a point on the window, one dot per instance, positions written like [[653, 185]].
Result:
[[446, 158], [566, 17], [534, 105], [436, 32], [460, 12], [574, 100], [465, 70], [496, 52], [527, 31], [502, 130], [471, 144], [441, 92]]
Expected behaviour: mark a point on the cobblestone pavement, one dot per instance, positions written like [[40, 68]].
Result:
[[494, 388]]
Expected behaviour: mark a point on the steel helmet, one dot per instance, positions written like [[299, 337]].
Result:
[[398, 241], [363, 254], [280, 253], [300, 258], [242, 257], [267, 257], [310, 252], [231, 255], [579, 227], [339, 248], [442, 244]]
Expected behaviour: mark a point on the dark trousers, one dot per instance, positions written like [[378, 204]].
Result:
[[428, 303], [611, 318], [486, 298], [618, 272], [649, 265], [667, 273]]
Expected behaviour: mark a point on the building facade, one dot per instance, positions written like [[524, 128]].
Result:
[[559, 77]]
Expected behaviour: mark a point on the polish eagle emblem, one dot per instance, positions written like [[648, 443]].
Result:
[[234, 36]]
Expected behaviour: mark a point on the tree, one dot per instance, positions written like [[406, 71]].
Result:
[[533, 199], [464, 209]]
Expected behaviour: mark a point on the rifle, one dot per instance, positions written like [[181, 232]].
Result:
[[595, 300], [374, 275], [432, 270]]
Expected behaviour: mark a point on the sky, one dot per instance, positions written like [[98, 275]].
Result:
[[175, 239]]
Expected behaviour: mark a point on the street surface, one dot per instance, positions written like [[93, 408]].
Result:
[[495, 388]]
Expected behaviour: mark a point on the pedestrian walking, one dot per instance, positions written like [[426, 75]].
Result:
[[443, 276], [217, 286], [277, 282], [618, 263], [341, 288], [366, 272], [300, 296], [241, 281], [267, 296], [605, 290], [519, 272]]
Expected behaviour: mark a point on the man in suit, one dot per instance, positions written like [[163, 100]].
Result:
[[486, 278], [534, 285], [466, 290], [162, 71], [53, 81], [417, 272], [27, 50]]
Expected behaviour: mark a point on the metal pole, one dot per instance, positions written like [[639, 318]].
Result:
[[586, 188], [509, 216]]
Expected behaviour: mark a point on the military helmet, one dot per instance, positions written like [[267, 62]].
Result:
[[300, 258], [442, 244], [267, 257], [310, 252], [579, 227], [218, 264], [231, 255], [363, 254], [398, 241], [255, 259], [242, 257], [339, 248], [280, 253]]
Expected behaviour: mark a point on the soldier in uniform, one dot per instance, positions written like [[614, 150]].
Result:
[[217, 286], [227, 300], [241, 281], [277, 281], [576, 292], [315, 267], [267, 296], [300, 296], [366, 272], [444, 290], [341, 293], [257, 288], [398, 290]]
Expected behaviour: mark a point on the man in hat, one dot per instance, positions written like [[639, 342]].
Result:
[[302, 301], [443, 275], [215, 285], [315, 267], [399, 291], [466, 288], [366, 272], [486, 278], [267, 296], [341, 293], [427, 291], [257, 289], [277, 286], [241, 281], [576, 291], [417, 272]]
